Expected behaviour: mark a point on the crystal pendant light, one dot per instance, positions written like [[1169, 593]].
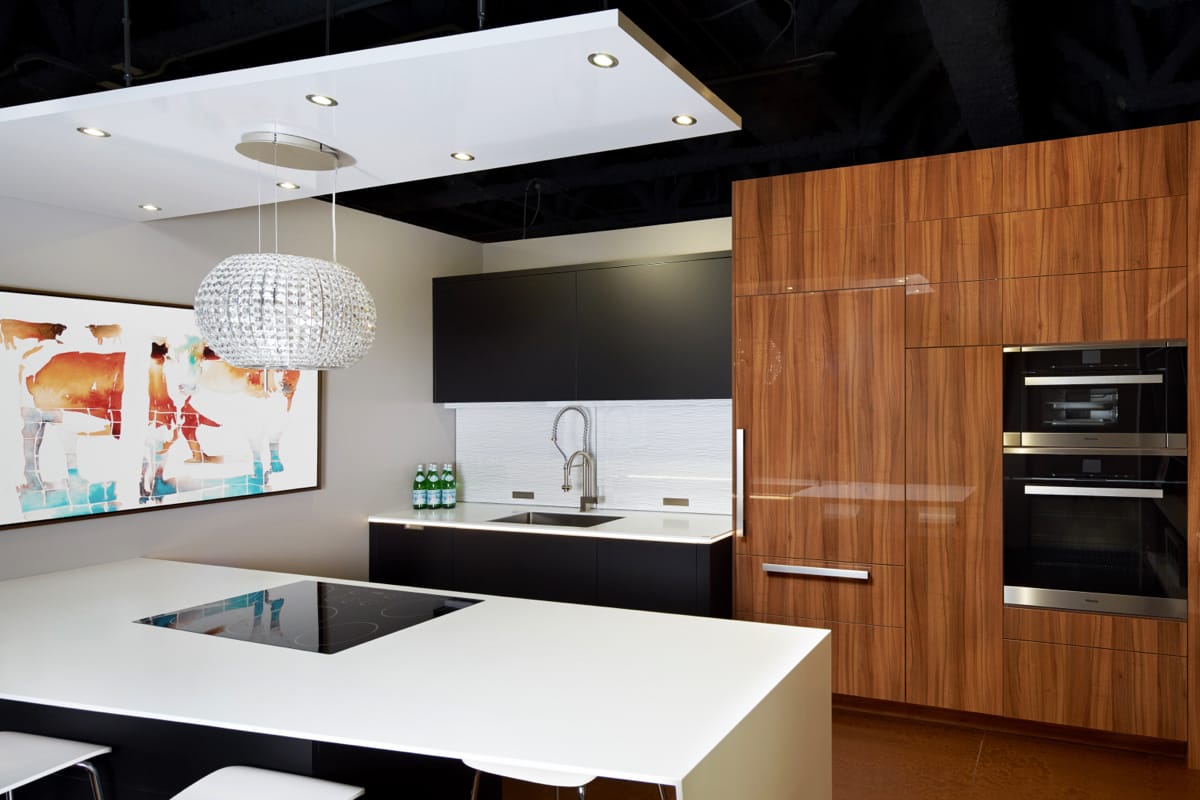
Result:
[[278, 311]]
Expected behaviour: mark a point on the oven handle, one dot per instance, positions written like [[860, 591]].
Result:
[[1089, 380], [1093, 491]]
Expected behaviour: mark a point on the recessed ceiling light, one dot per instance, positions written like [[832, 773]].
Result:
[[458, 155], [287, 185], [321, 100], [96, 132], [603, 60], [683, 119], [149, 207]]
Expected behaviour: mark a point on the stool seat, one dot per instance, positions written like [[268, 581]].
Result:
[[25, 758], [251, 783]]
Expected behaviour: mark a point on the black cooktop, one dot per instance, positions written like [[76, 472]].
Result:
[[316, 616]]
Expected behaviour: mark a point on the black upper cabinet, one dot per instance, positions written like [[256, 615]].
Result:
[[655, 331], [504, 338]]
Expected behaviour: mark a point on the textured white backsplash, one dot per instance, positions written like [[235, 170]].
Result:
[[645, 451]]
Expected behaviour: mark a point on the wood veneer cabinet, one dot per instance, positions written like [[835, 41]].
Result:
[[1131, 234], [816, 231], [1130, 305], [954, 547], [1144, 694], [816, 379], [952, 314], [1110, 631], [1126, 165]]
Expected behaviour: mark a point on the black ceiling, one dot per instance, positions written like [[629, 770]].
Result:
[[819, 83]]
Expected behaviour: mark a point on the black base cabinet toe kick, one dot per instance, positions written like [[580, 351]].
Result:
[[674, 577]]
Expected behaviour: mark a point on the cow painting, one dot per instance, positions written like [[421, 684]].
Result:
[[67, 389], [105, 334], [14, 330]]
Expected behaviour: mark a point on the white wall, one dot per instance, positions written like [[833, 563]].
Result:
[[654, 241], [378, 418]]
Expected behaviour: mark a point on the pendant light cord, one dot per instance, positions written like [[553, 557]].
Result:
[[333, 209]]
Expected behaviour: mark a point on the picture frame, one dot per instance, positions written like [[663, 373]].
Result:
[[114, 406]]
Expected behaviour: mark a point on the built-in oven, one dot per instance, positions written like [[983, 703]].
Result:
[[1098, 530], [1111, 395]]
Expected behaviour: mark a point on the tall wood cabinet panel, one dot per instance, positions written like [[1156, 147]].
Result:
[[1126, 165], [1193, 422], [1143, 694], [954, 550], [952, 314], [824, 456], [868, 660], [1140, 634], [955, 249], [1096, 307]]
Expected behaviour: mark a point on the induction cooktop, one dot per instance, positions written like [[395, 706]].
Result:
[[317, 616]]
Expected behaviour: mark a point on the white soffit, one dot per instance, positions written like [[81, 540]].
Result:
[[511, 95]]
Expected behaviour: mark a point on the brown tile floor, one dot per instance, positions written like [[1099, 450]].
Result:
[[878, 757]]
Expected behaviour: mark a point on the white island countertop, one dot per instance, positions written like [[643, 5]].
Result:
[[716, 708], [646, 526]]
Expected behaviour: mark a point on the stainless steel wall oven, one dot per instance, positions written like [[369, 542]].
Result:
[[1095, 478]]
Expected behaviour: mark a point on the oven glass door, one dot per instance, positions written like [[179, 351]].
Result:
[[1096, 532], [1104, 397]]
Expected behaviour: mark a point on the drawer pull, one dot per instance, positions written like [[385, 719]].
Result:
[[819, 572]]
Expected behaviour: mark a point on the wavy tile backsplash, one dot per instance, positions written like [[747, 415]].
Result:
[[645, 451]]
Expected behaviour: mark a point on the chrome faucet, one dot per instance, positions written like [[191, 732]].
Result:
[[589, 498]]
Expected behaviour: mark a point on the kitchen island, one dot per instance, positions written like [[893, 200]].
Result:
[[714, 708]]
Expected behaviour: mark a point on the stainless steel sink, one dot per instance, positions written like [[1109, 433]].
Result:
[[545, 518]]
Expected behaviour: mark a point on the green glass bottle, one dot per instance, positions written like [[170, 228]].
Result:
[[420, 497], [449, 487], [433, 486]]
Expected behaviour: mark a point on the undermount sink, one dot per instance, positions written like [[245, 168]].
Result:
[[546, 518]]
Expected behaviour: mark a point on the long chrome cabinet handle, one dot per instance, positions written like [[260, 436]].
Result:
[[1089, 380], [1092, 491], [739, 486], [819, 572]]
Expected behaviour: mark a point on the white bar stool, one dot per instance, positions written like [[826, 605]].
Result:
[[25, 758], [251, 783], [559, 780]]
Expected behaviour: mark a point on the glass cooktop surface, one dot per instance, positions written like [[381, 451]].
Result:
[[317, 616]]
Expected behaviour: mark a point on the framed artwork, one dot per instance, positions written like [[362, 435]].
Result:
[[109, 406]]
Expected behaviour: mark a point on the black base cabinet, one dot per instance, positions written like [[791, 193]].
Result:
[[622, 573]]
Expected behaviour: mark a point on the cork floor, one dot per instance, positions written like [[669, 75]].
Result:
[[878, 757]]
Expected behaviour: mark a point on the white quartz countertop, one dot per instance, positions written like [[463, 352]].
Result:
[[610, 692], [649, 526]]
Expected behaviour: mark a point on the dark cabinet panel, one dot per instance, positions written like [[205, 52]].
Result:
[[504, 338], [655, 331], [532, 565], [651, 576], [411, 556]]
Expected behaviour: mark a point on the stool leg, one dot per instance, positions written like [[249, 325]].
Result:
[[93, 778], [475, 787]]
